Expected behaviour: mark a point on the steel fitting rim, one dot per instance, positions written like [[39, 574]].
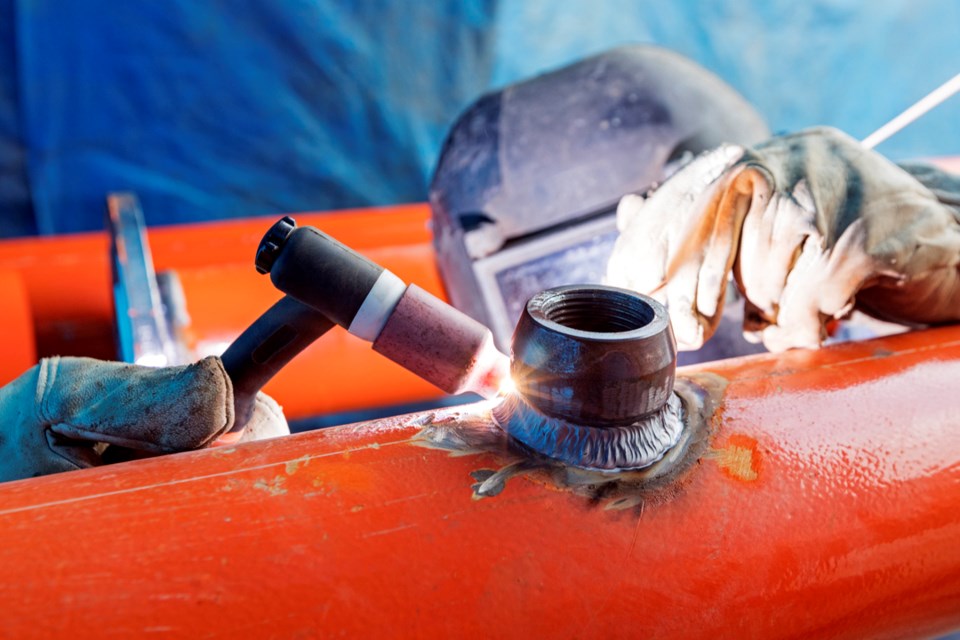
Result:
[[619, 314]]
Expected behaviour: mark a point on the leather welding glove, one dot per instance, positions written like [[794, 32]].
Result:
[[809, 225], [61, 414]]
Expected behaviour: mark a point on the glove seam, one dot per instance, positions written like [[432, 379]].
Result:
[[48, 437], [229, 416], [47, 374], [46, 379]]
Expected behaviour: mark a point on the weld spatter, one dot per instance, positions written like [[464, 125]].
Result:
[[606, 449]]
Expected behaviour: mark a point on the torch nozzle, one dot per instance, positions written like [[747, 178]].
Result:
[[442, 345], [490, 372]]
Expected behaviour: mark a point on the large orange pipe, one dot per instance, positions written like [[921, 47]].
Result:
[[823, 505]]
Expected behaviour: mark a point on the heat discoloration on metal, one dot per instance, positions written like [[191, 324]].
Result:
[[605, 449], [474, 433]]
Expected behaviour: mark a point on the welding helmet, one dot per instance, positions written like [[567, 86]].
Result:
[[525, 190]]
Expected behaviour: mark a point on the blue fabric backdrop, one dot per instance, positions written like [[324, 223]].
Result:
[[238, 108]]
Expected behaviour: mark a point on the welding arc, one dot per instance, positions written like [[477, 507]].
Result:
[[913, 112]]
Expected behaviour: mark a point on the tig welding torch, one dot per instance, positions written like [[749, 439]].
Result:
[[328, 283]]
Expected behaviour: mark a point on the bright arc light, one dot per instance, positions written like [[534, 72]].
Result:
[[507, 386]]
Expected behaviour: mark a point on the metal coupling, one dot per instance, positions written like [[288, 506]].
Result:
[[594, 371]]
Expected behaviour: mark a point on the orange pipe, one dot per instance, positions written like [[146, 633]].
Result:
[[17, 351], [824, 505]]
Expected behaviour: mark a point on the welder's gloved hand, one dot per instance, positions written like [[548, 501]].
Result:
[[810, 225], [61, 414]]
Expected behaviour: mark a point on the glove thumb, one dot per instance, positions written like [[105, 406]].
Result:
[[150, 409]]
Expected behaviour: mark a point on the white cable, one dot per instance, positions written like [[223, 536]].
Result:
[[913, 112]]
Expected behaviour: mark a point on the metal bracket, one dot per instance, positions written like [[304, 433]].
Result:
[[144, 332]]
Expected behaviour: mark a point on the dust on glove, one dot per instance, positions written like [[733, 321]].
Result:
[[63, 413]]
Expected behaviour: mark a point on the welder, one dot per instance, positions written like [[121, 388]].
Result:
[[69, 413], [809, 226]]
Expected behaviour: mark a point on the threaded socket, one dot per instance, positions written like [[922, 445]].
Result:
[[594, 369], [594, 355]]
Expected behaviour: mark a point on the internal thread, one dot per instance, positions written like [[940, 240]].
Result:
[[598, 311]]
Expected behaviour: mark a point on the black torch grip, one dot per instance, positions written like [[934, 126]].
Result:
[[283, 331], [325, 274]]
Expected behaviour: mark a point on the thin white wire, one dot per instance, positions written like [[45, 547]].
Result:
[[913, 112]]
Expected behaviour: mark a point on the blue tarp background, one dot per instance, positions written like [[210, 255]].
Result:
[[238, 108]]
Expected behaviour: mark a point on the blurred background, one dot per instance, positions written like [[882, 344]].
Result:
[[235, 108]]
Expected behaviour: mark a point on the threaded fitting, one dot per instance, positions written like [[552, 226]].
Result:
[[595, 364]]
